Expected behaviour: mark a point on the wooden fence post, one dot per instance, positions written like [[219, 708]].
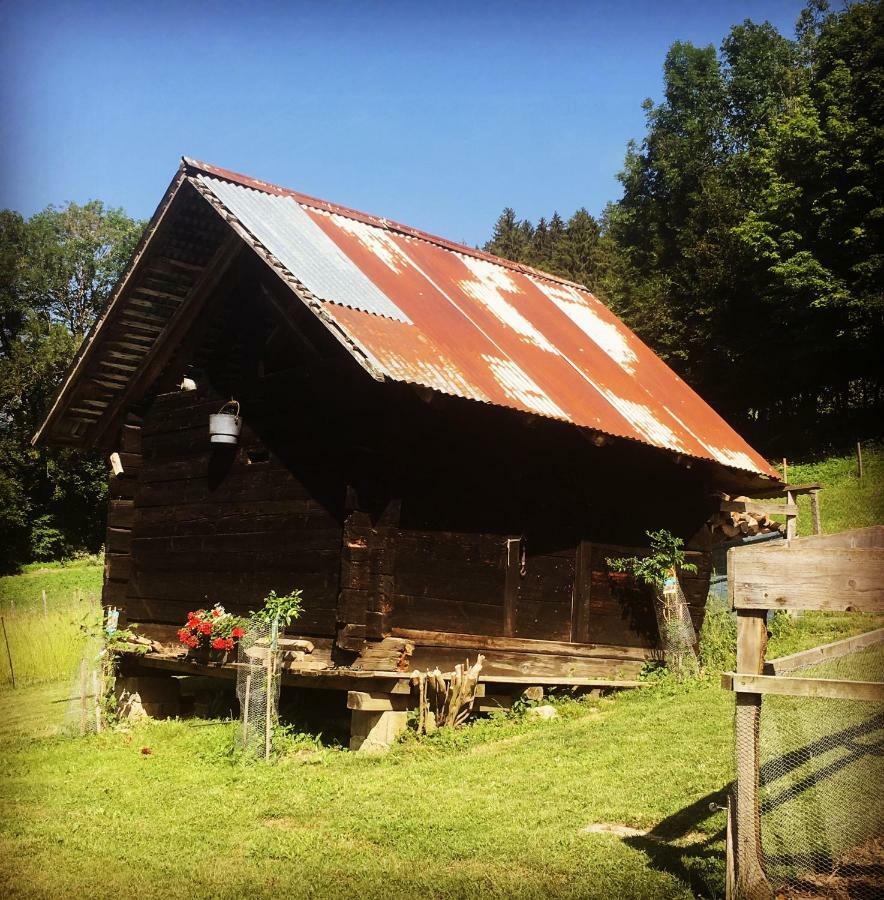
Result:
[[815, 512], [744, 850], [751, 882], [8, 653]]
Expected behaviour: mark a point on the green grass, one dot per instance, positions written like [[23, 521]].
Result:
[[498, 812], [40, 647], [845, 501], [61, 581], [497, 809]]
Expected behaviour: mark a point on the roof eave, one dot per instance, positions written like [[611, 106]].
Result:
[[81, 358]]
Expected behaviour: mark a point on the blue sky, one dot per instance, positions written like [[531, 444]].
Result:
[[435, 114]]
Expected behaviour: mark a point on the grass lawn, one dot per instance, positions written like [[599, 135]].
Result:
[[500, 808], [845, 501], [499, 811], [61, 581]]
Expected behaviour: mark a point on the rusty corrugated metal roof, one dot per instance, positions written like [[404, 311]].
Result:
[[465, 323]]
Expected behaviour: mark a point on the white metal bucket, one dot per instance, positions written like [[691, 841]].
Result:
[[224, 427]]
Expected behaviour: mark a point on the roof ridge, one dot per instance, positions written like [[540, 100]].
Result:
[[376, 221]]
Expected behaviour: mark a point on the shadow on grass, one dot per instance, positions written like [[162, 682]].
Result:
[[676, 845]]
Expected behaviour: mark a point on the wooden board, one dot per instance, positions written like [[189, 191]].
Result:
[[806, 577], [819, 688], [484, 642]]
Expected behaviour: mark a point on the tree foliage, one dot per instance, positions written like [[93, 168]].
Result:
[[57, 270], [746, 247]]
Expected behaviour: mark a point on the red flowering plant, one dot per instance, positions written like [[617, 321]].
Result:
[[214, 628]]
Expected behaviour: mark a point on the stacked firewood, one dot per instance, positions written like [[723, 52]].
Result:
[[727, 525]]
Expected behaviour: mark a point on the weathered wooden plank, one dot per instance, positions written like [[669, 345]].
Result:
[[511, 586], [564, 681], [481, 642], [313, 619], [853, 539], [121, 513], [122, 487], [820, 688], [117, 566], [286, 537], [582, 593], [765, 507], [203, 517], [118, 540], [113, 593], [825, 653], [375, 701], [519, 663], [192, 586], [807, 577], [442, 614], [543, 619]]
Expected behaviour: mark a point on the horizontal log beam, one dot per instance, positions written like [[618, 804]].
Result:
[[424, 638], [823, 688]]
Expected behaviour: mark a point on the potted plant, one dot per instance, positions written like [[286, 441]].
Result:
[[212, 635]]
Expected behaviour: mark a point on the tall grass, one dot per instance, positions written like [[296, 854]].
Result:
[[46, 646], [846, 501]]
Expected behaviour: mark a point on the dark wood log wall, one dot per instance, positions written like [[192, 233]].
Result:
[[393, 509]]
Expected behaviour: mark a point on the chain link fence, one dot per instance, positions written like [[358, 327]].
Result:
[[821, 792], [257, 689]]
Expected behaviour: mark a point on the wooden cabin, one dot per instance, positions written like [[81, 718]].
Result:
[[439, 447]]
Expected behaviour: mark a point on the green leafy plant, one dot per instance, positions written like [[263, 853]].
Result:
[[666, 556], [283, 607], [659, 570]]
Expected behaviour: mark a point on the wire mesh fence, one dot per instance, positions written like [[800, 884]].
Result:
[[676, 629], [83, 712], [257, 689], [821, 796]]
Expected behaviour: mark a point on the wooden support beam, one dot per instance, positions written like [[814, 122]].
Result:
[[511, 584], [827, 688], [791, 517], [761, 507], [425, 638], [377, 702], [582, 591], [815, 512]]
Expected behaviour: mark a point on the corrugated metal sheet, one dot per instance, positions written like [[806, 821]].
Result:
[[280, 224], [467, 324]]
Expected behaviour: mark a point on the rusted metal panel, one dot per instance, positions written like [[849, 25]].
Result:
[[464, 323]]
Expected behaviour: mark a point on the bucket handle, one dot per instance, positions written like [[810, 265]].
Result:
[[230, 404]]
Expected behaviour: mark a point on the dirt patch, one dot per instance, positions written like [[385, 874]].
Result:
[[857, 873], [626, 831]]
